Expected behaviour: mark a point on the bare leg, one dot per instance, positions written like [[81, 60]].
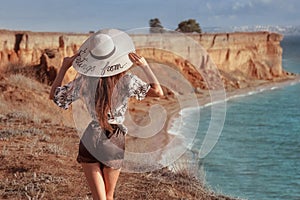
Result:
[[95, 180], [110, 177]]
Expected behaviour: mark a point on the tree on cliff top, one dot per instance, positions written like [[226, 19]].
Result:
[[155, 26], [189, 26]]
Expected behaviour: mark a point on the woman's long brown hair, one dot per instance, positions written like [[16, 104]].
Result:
[[103, 101]]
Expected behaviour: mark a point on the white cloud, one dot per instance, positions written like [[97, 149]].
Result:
[[232, 17], [238, 5], [265, 1], [208, 5]]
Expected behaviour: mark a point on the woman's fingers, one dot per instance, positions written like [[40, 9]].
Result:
[[136, 59], [132, 57]]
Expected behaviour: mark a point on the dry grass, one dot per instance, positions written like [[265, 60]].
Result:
[[29, 185], [36, 163], [37, 154], [25, 83], [163, 184], [23, 96]]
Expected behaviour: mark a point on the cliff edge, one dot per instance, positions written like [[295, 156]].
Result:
[[240, 57]]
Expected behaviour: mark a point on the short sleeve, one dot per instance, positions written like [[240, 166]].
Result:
[[137, 87], [68, 93]]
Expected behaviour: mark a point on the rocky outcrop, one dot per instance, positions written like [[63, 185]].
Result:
[[257, 54], [238, 56], [38, 49]]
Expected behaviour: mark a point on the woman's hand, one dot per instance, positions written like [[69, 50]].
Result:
[[68, 61], [137, 60]]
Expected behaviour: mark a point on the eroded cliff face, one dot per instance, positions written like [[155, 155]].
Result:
[[43, 51], [238, 56], [256, 55]]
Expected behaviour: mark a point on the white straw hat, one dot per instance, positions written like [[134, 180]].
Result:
[[105, 53]]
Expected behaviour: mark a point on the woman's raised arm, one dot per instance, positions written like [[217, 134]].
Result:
[[155, 89], [66, 64]]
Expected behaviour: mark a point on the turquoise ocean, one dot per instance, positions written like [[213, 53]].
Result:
[[258, 153]]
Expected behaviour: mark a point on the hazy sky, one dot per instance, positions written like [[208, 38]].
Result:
[[86, 15]]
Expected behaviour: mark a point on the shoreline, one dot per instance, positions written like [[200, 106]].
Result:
[[194, 168], [268, 86], [165, 146], [205, 101]]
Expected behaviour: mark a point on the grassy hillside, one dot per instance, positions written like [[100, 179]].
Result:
[[38, 149]]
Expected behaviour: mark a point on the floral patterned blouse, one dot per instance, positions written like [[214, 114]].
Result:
[[85, 87]]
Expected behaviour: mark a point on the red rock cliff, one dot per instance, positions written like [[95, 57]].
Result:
[[255, 55]]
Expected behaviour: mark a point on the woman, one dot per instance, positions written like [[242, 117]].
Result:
[[105, 87]]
